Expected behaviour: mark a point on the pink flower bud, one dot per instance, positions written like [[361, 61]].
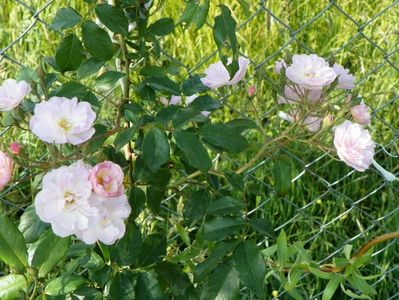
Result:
[[107, 179], [251, 91], [15, 148], [6, 167], [361, 114]]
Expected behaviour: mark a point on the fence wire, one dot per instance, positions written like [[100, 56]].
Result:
[[353, 196]]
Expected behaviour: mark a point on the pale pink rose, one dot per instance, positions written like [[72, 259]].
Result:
[[278, 65], [354, 145], [345, 79], [251, 91], [310, 71], [292, 96], [107, 179], [15, 148], [217, 75], [361, 114], [61, 120], [12, 93], [6, 167], [312, 123]]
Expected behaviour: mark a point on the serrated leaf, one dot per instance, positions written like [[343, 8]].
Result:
[[193, 150], [97, 41], [196, 205], [251, 267], [65, 18], [148, 287], [193, 85], [108, 80], [113, 18], [219, 228], [64, 285], [69, 54], [122, 286], [12, 286], [155, 148], [205, 103], [162, 27], [89, 67], [49, 252], [153, 250], [225, 206], [123, 137], [12, 245], [30, 225], [162, 84]]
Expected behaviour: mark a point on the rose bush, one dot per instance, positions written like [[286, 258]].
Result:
[[122, 135]]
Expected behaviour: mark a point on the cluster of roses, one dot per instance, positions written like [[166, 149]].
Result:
[[76, 199], [309, 80]]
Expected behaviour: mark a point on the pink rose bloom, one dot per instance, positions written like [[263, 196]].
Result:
[[354, 145], [345, 79], [6, 167], [217, 75], [310, 71], [361, 114], [278, 65], [107, 179], [12, 93], [312, 123], [251, 91], [292, 97], [15, 148]]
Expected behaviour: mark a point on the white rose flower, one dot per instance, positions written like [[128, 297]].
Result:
[[310, 71], [354, 145], [345, 79], [217, 75], [63, 200], [108, 224], [61, 120], [292, 97], [12, 93]]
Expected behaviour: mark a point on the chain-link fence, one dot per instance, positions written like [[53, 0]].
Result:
[[332, 205]]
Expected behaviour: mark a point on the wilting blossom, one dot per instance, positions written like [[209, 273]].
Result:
[[354, 145], [292, 96], [345, 79], [279, 65], [108, 224], [217, 75], [15, 148], [63, 199], [107, 179], [61, 120], [310, 71], [361, 114], [6, 167], [12, 93]]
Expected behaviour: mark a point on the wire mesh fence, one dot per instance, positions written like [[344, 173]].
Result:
[[333, 205]]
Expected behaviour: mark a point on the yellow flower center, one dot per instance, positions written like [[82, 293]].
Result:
[[69, 199], [64, 124]]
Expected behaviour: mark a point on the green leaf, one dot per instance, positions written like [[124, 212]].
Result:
[[30, 225], [205, 103], [225, 206], [361, 284], [262, 226], [123, 137], [49, 252], [194, 151], [193, 85], [173, 274], [155, 148], [97, 41], [194, 13], [126, 250], [153, 250], [108, 80], [162, 84], [223, 136], [122, 286], [98, 138], [196, 205], [148, 287], [113, 18], [282, 175], [185, 115], [12, 286], [217, 254], [223, 283], [137, 200], [155, 195], [321, 274], [89, 67], [65, 18], [162, 27], [282, 248], [251, 267], [183, 234], [64, 285], [219, 228], [12, 245], [245, 7], [331, 287], [69, 54]]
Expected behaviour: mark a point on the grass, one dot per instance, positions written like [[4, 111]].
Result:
[[328, 206]]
